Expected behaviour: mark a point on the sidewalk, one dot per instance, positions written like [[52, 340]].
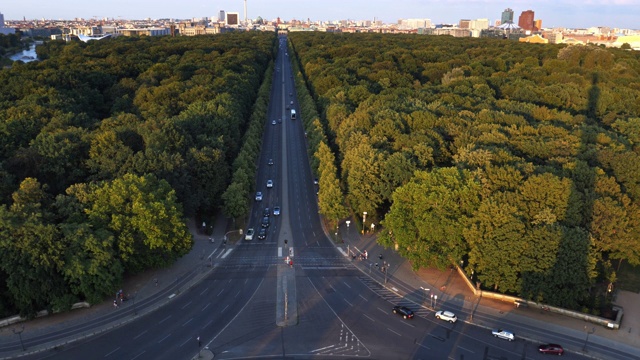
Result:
[[150, 287], [453, 294]]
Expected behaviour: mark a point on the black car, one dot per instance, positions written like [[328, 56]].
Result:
[[262, 234], [266, 212], [403, 311], [265, 222], [270, 162]]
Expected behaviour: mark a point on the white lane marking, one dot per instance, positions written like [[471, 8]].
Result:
[[227, 253], [345, 300], [279, 251], [237, 294], [116, 349], [186, 341], [342, 251], [211, 255], [137, 356], [368, 317], [347, 284], [205, 307], [365, 299], [187, 322], [406, 323], [165, 319], [142, 333], [221, 291], [164, 338], [382, 310], [209, 323], [204, 291], [225, 308], [426, 347], [187, 304], [324, 348], [466, 349], [394, 332]]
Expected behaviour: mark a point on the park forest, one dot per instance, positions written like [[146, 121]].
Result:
[[518, 162]]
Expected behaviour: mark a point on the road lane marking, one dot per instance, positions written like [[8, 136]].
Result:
[[382, 310], [205, 307], [226, 253], [345, 300], [186, 341], [164, 338], [187, 304], [221, 291], [187, 322], [137, 356], [225, 308], [394, 332], [165, 319], [406, 323], [116, 349], [426, 347], [237, 294], [365, 299], [204, 291], [209, 323], [279, 251], [142, 333], [322, 349], [466, 349], [347, 284], [365, 315]]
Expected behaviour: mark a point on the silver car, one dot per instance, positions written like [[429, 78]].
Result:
[[503, 334], [446, 316]]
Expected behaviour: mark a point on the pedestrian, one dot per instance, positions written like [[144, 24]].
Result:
[[156, 281], [115, 303], [199, 343]]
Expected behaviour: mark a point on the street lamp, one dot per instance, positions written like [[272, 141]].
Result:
[[229, 232], [584, 347], [386, 270], [425, 293], [364, 219], [19, 333], [435, 301]]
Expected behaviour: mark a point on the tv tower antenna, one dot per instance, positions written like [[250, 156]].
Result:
[[245, 12]]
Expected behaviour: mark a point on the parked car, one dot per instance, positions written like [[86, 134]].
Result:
[[276, 210], [259, 196], [262, 234], [269, 184], [403, 311], [554, 349], [249, 235], [503, 334], [446, 316], [265, 222]]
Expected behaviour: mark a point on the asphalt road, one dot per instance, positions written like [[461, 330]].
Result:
[[340, 311]]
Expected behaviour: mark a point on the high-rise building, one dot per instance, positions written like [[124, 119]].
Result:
[[4, 30], [222, 16], [464, 24], [537, 24], [507, 16], [233, 19], [526, 20], [1, 21]]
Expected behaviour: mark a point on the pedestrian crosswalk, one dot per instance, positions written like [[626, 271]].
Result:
[[394, 297]]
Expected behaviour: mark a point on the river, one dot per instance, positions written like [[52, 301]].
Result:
[[26, 55]]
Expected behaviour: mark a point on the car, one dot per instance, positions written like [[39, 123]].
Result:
[[265, 222], [273, 122], [279, 121], [262, 234], [403, 311], [446, 316], [249, 235], [554, 349], [288, 107], [269, 183], [266, 212], [291, 103], [315, 181], [259, 196], [276, 210], [290, 94], [503, 334], [270, 162]]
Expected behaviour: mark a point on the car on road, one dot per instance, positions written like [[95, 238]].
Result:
[[279, 121], [249, 235], [503, 334], [269, 183], [270, 162], [403, 311], [266, 212], [291, 103], [290, 94], [262, 234], [553, 349], [273, 122], [259, 196], [276, 210], [265, 222], [315, 181], [446, 316]]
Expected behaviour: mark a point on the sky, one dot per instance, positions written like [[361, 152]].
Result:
[[553, 13]]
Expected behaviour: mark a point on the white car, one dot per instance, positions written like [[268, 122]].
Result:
[[269, 183], [446, 316], [276, 211], [503, 334], [249, 235], [259, 196], [273, 122]]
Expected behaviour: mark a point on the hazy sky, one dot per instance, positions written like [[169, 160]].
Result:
[[554, 13]]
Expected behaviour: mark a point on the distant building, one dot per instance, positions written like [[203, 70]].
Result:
[[534, 39], [221, 16], [233, 19], [414, 23], [479, 24], [145, 32], [632, 40], [464, 24], [507, 16], [5, 30], [526, 20], [537, 24], [554, 37]]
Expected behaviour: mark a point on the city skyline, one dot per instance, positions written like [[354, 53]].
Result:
[[561, 13]]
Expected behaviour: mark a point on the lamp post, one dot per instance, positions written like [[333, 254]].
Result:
[[584, 347], [425, 293], [386, 270], [229, 232], [19, 333], [364, 219], [435, 301]]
